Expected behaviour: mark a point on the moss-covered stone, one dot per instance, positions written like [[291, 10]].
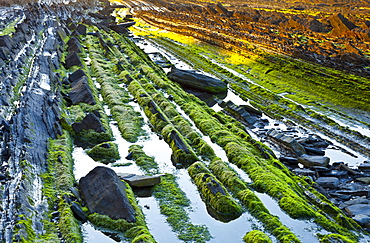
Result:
[[214, 193], [106, 152], [256, 236]]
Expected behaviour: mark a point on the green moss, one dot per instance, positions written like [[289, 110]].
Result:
[[335, 238], [105, 152], [173, 202], [256, 236], [213, 192], [144, 161]]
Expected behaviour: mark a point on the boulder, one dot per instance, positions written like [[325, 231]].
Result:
[[90, 121], [309, 161], [142, 180], [197, 81], [104, 193], [81, 92], [328, 182], [72, 60], [358, 209], [365, 180], [364, 166]]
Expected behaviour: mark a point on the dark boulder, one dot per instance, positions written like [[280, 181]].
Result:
[[89, 122], [358, 209], [121, 28], [73, 60], [76, 75], [104, 193], [81, 92], [197, 81], [179, 142]]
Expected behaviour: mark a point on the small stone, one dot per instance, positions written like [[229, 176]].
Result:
[[309, 161], [142, 180], [328, 182], [358, 209]]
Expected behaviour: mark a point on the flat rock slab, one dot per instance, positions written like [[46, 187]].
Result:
[[197, 81], [310, 161], [104, 193], [358, 209], [142, 180], [328, 182]]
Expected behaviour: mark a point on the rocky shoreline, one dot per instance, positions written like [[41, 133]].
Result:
[[61, 64]]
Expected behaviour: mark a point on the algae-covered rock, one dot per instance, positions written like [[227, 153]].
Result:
[[256, 236], [221, 204], [106, 152]]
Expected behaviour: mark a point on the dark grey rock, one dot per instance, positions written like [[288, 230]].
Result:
[[365, 166], [289, 160], [328, 182], [78, 212], [197, 81], [105, 193], [305, 172], [81, 92], [180, 144], [81, 29], [357, 209], [313, 151], [309, 160], [89, 122], [73, 60], [76, 75], [6, 41]]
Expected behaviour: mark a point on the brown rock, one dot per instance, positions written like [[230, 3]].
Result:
[[340, 24]]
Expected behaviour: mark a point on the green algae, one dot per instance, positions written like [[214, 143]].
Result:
[[256, 236], [214, 193], [106, 152]]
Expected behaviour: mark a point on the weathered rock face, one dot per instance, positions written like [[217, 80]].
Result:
[[104, 193], [197, 81]]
